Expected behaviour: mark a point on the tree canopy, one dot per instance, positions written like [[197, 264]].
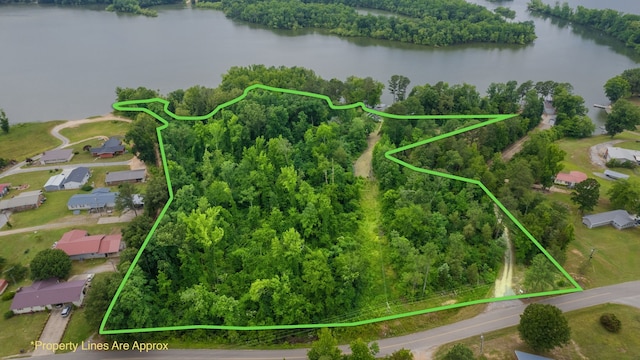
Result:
[[586, 194], [4, 122], [544, 327], [624, 116], [50, 263]]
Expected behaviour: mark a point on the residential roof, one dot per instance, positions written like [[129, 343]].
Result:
[[620, 153], [56, 155], [526, 356], [3, 285], [3, 186], [77, 175], [125, 175], [615, 174], [617, 217], [24, 199], [78, 242], [572, 177], [55, 180], [96, 199], [110, 146], [110, 244], [47, 292]]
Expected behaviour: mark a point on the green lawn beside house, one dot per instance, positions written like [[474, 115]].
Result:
[[589, 340], [18, 331], [15, 146], [98, 128]]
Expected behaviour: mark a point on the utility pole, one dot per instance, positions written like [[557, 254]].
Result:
[[481, 343], [593, 250]]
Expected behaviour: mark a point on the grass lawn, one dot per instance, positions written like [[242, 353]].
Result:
[[78, 330], [27, 139], [55, 208], [632, 145], [35, 180], [98, 128], [614, 260], [615, 257], [589, 340], [80, 267], [18, 332]]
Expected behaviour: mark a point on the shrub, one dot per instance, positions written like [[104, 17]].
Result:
[[86, 187], [614, 163], [8, 296], [8, 315], [610, 322]]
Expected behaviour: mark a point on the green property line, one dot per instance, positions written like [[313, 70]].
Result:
[[132, 105]]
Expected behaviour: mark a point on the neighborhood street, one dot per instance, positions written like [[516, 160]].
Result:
[[422, 343]]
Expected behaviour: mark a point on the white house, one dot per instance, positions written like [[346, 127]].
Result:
[[77, 178]]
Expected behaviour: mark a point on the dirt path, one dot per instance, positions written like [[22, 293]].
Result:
[[75, 123], [362, 167], [504, 284], [515, 148], [597, 153]]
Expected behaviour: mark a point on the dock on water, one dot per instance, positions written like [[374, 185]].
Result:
[[606, 108]]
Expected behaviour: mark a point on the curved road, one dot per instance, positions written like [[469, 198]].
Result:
[[55, 132], [422, 344]]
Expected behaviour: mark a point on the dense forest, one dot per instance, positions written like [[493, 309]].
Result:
[[432, 23], [624, 27], [266, 224]]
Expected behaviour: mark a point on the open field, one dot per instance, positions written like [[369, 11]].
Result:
[[589, 340], [37, 136], [35, 180], [101, 128], [632, 145], [18, 332], [55, 208]]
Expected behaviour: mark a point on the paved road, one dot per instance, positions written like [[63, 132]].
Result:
[[14, 170], [422, 344]]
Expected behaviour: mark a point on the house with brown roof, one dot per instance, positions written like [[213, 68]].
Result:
[[571, 179], [4, 189], [44, 294], [126, 176], [79, 245], [25, 201], [56, 156]]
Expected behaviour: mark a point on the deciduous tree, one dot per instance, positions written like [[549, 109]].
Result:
[[50, 263], [544, 327], [125, 198], [325, 348], [586, 194], [459, 352], [624, 116], [4, 122], [617, 88]]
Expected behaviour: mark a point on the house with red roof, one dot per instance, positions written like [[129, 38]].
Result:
[[4, 189], [79, 245], [44, 294], [570, 179], [3, 285]]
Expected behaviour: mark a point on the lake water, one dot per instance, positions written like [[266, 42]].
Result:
[[65, 62]]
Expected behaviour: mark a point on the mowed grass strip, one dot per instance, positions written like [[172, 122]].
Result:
[[19, 331], [589, 340], [106, 128], [27, 139]]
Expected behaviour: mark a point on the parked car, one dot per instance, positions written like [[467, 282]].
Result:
[[66, 311], [90, 277]]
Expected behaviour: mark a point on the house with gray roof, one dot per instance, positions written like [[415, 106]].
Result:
[[99, 199], [56, 156], [76, 178], [615, 175], [55, 183], [127, 176], [622, 155], [110, 148], [526, 356], [620, 219], [44, 294], [24, 201]]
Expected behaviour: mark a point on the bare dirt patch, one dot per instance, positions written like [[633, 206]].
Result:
[[362, 167]]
